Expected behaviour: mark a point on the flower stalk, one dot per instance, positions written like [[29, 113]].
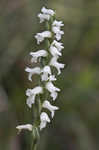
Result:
[[41, 97]]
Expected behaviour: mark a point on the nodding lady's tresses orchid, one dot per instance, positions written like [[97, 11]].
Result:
[[40, 97]]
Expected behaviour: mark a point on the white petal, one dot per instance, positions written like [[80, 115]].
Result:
[[43, 125], [43, 17], [52, 78], [54, 51], [50, 107], [30, 100], [58, 32], [54, 95], [31, 93], [44, 118], [52, 89], [26, 127], [32, 71], [58, 45], [46, 71], [57, 23], [41, 36], [37, 54]]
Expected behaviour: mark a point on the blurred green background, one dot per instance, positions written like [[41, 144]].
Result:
[[76, 124]]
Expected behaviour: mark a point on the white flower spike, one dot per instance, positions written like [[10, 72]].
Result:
[[50, 107], [44, 118], [38, 54], [46, 59]]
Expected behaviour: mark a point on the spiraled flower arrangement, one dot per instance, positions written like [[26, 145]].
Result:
[[40, 97]]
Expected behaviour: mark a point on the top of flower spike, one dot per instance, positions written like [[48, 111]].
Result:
[[47, 11], [45, 14]]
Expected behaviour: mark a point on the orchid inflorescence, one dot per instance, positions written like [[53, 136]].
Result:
[[46, 92]]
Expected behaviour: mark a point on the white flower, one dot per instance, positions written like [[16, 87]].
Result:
[[47, 11], [56, 29], [44, 118], [56, 64], [57, 23], [54, 51], [36, 55], [52, 89], [41, 36], [24, 127], [46, 71], [32, 71], [43, 17], [58, 32], [58, 45], [31, 93], [50, 107]]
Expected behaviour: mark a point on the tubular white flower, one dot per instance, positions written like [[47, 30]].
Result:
[[52, 89], [31, 93], [43, 17], [47, 11], [46, 71], [50, 107], [54, 51], [44, 118], [58, 32], [58, 45], [57, 23], [56, 64], [36, 55], [41, 36], [32, 71], [24, 127]]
